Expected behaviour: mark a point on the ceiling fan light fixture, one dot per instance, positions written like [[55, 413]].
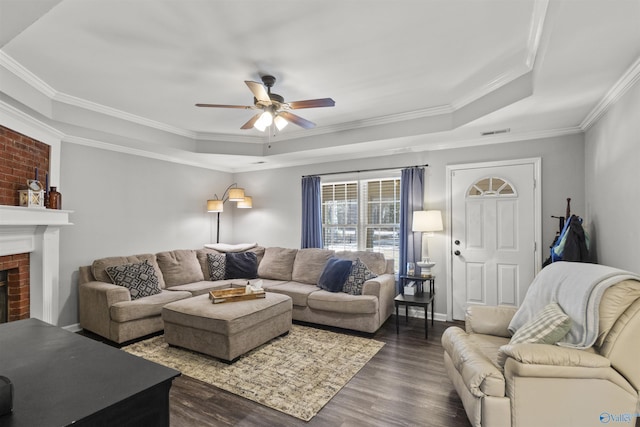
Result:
[[280, 122], [265, 120]]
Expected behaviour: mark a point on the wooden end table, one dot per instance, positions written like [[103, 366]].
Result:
[[421, 299]]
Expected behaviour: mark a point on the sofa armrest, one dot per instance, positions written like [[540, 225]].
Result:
[[383, 287], [489, 320], [545, 354], [560, 364], [374, 286], [95, 299]]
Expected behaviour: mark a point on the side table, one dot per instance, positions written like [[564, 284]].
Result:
[[422, 299]]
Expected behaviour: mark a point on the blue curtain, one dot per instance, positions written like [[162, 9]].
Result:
[[411, 199], [311, 212]]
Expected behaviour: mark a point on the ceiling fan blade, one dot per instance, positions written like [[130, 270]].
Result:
[[244, 107], [296, 120], [259, 92], [312, 103], [251, 121]]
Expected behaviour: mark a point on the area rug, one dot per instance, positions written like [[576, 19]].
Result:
[[296, 374]]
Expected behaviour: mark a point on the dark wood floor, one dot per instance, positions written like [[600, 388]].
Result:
[[405, 384]]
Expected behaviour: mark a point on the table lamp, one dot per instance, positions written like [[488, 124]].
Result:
[[426, 222]]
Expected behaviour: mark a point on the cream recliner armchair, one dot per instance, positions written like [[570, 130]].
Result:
[[548, 385]]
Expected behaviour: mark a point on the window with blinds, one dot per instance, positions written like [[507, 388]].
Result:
[[340, 216], [362, 215]]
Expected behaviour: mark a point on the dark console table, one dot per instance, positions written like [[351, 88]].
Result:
[[61, 378]]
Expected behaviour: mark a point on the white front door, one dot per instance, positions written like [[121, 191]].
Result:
[[493, 234]]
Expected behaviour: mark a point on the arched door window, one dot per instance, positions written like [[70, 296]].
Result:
[[492, 187]]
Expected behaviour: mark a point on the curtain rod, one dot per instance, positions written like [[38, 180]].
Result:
[[365, 170]]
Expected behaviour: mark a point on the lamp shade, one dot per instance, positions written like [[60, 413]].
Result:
[[236, 194], [246, 203], [427, 221], [215, 205]]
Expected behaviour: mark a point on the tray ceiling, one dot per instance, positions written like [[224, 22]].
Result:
[[405, 75]]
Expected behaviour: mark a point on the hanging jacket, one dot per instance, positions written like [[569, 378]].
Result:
[[573, 243]]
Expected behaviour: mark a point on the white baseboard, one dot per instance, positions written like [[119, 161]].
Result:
[[419, 313], [73, 328]]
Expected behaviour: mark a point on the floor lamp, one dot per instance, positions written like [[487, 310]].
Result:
[[426, 222], [233, 193]]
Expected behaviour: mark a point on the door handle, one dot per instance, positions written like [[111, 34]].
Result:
[[457, 253]]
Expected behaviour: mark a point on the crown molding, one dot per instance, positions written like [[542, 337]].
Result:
[[365, 123], [88, 142], [535, 31], [119, 114], [49, 132], [498, 139], [25, 75], [622, 86]]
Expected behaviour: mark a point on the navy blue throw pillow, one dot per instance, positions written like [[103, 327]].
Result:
[[335, 274], [241, 265]]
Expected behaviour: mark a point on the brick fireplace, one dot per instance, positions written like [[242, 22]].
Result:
[[14, 274], [29, 237]]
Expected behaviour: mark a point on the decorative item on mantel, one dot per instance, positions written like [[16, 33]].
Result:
[[55, 199], [33, 195]]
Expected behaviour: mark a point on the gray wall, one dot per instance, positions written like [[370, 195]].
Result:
[[612, 177], [124, 205], [275, 218]]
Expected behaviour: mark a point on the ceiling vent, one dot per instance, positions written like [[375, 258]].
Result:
[[496, 132]]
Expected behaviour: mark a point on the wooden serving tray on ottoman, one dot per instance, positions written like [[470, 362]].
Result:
[[233, 294]]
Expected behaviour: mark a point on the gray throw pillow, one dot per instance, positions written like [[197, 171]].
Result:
[[140, 279]]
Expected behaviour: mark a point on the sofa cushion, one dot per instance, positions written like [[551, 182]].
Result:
[[549, 326], [339, 302], [335, 274], [99, 273], [299, 292], [180, 267], [241, 265], [373, 260], [126, 311], [139, 278], [277, 263], [359, 274], [216, 264], [309, 264]]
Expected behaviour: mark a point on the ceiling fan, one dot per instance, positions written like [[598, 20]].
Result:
[[273, 108]]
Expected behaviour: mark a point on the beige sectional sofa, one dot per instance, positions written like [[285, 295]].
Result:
[[108, 310]]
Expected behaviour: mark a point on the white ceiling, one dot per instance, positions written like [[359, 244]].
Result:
[[405, 75]]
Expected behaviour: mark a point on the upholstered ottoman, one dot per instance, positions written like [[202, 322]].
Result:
[[226, 330]]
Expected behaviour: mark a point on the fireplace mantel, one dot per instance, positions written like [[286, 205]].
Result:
[[18, 215], [37, 232]]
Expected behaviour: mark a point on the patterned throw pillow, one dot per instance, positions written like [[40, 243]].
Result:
[[217, 266], [548, 327], [140, 278], [360, 273]]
